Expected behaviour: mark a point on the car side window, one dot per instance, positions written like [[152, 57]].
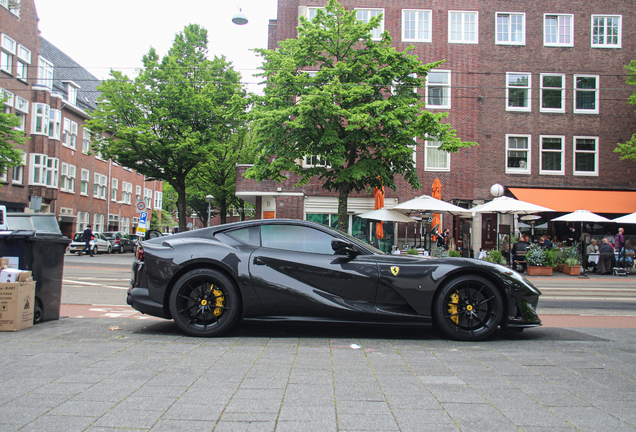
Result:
[[296, 238], [248, 235]]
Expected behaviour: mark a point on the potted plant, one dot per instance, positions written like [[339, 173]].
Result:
[[536, 262], [495, 256], [454, 254], [552, 258], [572, 261]]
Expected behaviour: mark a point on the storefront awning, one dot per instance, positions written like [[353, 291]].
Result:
[[569, 200]]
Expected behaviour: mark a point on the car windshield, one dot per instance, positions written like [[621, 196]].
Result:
[[357, 241], [78, 237], [109, 236]]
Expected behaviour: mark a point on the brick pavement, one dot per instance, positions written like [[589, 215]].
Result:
[[78, 375]]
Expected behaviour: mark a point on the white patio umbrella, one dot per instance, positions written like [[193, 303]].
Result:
[[507, 205], [386, 215], [627, 219], [581, 216], [428, 203]]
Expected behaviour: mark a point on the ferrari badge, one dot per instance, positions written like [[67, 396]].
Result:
[[395, 270]]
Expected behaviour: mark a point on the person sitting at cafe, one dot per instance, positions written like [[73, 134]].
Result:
[[545, 243], [607, 259], [626, 256], [592, 248], [519, 252]]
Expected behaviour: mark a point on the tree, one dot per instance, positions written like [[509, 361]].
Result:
[[169, 120], [10, 156], [628, 150], [354, 117]]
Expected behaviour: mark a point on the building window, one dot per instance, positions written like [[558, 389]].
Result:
[[52, 172], [98, 222], [365, 16], [434, 158], [552, 155], [71, 92], [4, 177], [84, 182], [125, 224], [10, 101], [21, 111], [138, 192], [312, 161], [113, 189], [416, 25], [69, 137], [126, 192], [82, 220], [585, 156], [606, 31], [586, 94], [37, 169], [40, 119], [24, 60], [99, 186], [18, 171], [558, 30], [511, 28], [55, 124], [45, 73], [517, 154], [148, 197], [311, 12], [518, 91], [86, 140], [68, 178], [8, 49], [552, 93], [438, 89], [158, 200], [463, 27]]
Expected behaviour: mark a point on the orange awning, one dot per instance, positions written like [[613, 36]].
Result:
[[569, 200]]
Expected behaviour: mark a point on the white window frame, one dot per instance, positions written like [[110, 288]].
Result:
[[4, 177], [508, 31], [309, 159], [9, 49], [55, 124], [447, 96], [21, 105], [311, 12], [596, 94], [10, 97], [125, 224], [22, 66], [528, 89], [376, 34], [69, 134], [126, 192], [424, 25], [68, 175], [575, 151], [52, 173], [86, 175], [98, 222], [604, 44], [37, 169], [86, 140], [18, 171], [40, 119], [559, 18], [45, 72], [158, 200], [71, 92], [137, 192], [148, 197], [100, 184], [544, 171], [113, 189], [544, 88], [434, 147], [462, 23], [519, 170]]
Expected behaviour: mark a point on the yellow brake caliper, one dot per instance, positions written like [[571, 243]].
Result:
[[452, 308], [220, 301]]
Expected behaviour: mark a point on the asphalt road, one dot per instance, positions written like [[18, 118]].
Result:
[[103, 280]]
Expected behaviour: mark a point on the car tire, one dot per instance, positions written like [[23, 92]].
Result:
[[468, 308], [109, 250], [95, 250], [204, 302]]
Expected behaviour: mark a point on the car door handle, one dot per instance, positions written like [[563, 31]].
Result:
[[258, 261]]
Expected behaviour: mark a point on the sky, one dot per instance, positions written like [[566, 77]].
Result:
[[116, 34]]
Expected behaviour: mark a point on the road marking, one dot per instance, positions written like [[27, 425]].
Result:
[[80, 283], [115, 287], [626, 299]]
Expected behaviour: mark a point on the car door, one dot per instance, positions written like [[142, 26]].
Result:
[[296, 273]]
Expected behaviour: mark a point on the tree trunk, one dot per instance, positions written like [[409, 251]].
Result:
[[343, 216], [181, 206], [223, 210], [242, 209]]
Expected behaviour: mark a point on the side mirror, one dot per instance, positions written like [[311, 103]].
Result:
[[343, 247]]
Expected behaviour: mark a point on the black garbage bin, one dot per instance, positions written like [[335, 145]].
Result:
[[41, 251]]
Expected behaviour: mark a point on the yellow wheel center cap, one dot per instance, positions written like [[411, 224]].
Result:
[[204, 302], [469, 308]]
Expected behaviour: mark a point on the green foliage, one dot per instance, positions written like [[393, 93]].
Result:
[[10, 156], [572, 254], [535, 256], [495, 256], [174, 116], [412, 251], [439, 252], [357, 113], [627, 150], [551, 257], [454, 254], [572, 262]]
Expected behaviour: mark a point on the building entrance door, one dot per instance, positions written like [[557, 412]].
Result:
[[488, 231]]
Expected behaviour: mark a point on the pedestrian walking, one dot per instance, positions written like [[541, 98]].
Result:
[[619, 240], [87, 236]]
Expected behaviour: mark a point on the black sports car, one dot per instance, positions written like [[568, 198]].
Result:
[[280, 269]]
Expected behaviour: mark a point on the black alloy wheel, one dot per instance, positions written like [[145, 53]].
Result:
[[468, 308], [205, 303]]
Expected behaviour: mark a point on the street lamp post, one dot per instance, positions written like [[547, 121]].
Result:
[[209, 199]]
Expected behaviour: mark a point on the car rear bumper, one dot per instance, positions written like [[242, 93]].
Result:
[[139, 299]]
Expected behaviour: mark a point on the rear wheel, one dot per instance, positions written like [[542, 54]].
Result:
[[109, 250], [204, 302], [468, 308]]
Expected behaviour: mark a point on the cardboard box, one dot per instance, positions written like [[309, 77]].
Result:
[[9, 275], [9, 262], [17, 302]]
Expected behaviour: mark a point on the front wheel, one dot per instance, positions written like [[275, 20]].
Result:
[[109, 250], [468, 308], [204, 302]]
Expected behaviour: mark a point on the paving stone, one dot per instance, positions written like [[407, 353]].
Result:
[[119, 418], [183, 425], [55, 423], [367, 422]]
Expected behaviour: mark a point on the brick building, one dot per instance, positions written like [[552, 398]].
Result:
[[53, 95], [539, 85]]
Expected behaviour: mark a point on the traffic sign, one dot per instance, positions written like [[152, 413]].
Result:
[[140, 205], [141, 227]]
